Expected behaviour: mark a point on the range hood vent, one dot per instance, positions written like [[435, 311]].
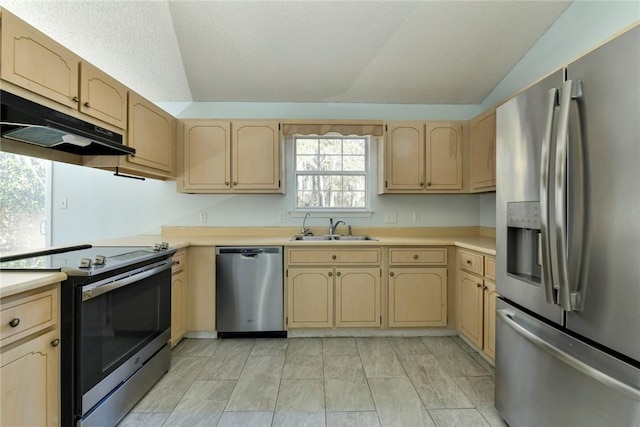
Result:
[[26, 121]]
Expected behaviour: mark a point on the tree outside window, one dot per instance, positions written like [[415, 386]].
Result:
[[24, 187], [331, 173]]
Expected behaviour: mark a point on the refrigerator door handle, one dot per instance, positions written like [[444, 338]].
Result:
[[509, 318], [545, 166], [568, 300]]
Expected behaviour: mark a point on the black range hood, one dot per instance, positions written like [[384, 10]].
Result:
[[26, 121]]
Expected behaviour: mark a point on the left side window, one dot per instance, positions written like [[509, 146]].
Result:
[[25, 199]]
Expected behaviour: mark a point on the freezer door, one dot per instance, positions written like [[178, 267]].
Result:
[[607, 117], [521, 125], [545, 377]]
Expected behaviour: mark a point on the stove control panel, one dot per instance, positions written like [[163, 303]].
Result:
[[160, 246]]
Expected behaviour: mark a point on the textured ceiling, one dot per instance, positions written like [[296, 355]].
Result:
[[416, 52]]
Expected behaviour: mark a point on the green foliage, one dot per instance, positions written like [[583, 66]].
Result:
[[22, 179]]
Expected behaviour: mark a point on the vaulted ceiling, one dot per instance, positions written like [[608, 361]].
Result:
[[400, 52]]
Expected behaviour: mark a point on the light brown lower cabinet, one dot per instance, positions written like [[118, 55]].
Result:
[[30, 359], [417, 296], [311, 291], [477, 300], [179, 298]]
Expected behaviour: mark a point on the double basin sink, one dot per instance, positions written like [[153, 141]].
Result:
[[335, 237]]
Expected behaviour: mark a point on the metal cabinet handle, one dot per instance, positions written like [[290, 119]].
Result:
[[469, 261], [86, 104], [333, 257], [338, 273], [55, 342], [14, 322], [75, 99], [478, 285], [428, 184], [235, 183], [177, 262], [422, 184], [226, 183], [415, 257], [330, 274], [391, 273]]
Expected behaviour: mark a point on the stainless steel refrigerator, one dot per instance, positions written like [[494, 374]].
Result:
[[568, 244]]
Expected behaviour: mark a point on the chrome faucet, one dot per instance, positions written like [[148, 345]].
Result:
[[332, 227], [305, 231]]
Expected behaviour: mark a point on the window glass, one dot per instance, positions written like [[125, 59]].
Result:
[[25, 188], [331, 173]]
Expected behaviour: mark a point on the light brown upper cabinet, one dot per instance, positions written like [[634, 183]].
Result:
[[152, 132], [483, 152], [231, 156], [102, 97], [35, 62], [419, 157]]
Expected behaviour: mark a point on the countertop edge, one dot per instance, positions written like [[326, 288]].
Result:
[[12, 283]]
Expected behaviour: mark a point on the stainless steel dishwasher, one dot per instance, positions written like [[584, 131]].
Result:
[[249, 291]]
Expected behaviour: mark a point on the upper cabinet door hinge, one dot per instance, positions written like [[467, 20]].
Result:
[[286, 320], [279, 126], [287, 272], [386, 128], [386, 184]]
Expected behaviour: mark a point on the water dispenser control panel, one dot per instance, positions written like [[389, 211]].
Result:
[[523, 215]]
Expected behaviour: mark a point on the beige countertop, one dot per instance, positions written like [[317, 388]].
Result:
[[14, 283], [180, 237]]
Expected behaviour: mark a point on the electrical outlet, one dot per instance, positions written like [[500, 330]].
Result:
[[416, 217], [390, 217], [203, 217], [283, 217], [63, 203]]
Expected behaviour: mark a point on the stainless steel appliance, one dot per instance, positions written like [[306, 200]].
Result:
[[115, 326], [26, 121], [568, 238], [249, 291]]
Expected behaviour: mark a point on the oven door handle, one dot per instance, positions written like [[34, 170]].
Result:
[[96, 289]]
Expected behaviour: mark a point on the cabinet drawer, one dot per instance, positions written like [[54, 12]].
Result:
[[179, 259], [334, 256], [471, 262], [423, 256], [28, 314], [490, 267]]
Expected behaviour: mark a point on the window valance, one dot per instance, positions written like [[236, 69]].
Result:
[[346, 128]]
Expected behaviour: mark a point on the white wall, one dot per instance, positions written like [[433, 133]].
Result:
[[103, 206]]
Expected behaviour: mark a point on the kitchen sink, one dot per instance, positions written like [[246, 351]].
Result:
[[336, 237]]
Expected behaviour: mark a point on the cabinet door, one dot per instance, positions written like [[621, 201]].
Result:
[[102, 97], [178, 307], [357, 297], [30, 383], [207, 155], [310, 297], [483, 152], [490, 318], [152, 133], [470, 309], [417, 297], [444, 155], [404, 156], [35, 62], [256, 156]]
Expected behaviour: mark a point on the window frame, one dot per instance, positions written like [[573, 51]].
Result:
[[366, 173]]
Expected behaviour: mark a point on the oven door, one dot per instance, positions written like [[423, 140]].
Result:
[[121, 322]]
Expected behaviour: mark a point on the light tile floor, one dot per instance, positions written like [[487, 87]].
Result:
[[417, 381]]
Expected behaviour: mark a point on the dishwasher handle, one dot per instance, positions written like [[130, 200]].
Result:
[[247, 252]]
